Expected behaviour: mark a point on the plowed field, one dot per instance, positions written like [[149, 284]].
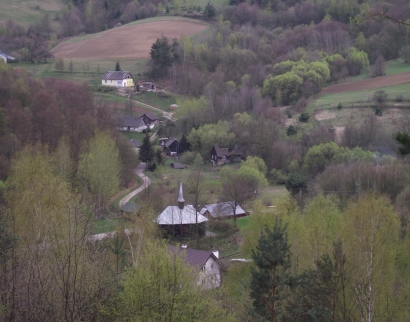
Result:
[[129, 41], [368, 84]]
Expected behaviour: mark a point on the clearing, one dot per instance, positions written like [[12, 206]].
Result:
[[129, 41], [368, 84]]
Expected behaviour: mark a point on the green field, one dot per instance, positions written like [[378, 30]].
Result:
[[363, 98], [29, 11]]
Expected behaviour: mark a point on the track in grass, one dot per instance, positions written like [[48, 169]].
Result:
[[129, 41]]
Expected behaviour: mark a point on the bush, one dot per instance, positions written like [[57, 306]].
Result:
[[399, 98], [188, 157], [304, 117], [279, 176], [378, 111], [339, 106], [291, 130], [288, 113], [296, 182], [222, 226]]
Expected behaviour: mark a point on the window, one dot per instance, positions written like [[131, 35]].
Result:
[[105, 81]]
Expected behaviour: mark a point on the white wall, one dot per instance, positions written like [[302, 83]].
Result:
[[210, 276]]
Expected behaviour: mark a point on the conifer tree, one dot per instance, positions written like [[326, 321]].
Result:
[[146, 153], [117, 66], [271, 278]]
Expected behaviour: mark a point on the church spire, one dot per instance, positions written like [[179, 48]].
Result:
[[181, 197]]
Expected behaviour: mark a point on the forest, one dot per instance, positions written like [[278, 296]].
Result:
[[327, 235]]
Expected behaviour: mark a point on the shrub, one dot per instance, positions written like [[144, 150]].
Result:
[[339, 106], [291, 130], [288, 113], [304, 117], [399, 98], [378, 111], [279, 176]]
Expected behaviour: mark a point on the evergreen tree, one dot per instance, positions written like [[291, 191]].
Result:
[[117, 66], [271, 278], [146, 153], [158, 156], [209, 11], [184, 145]]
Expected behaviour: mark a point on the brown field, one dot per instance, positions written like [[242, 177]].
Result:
[[368, 84], [129, 41]]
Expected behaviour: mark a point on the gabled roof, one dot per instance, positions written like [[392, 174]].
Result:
[[223, 209], [134, 143], [151, 116], [170, 141], [114, 75], [194, 257], [172, 215], [131, 121], [236, 151], [220, 152]]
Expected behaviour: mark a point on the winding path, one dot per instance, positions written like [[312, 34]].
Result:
[[139, 171]]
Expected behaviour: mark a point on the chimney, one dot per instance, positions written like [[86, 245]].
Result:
[[181, 197], [216, 253]]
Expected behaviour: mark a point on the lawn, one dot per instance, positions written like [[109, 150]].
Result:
[[107, 225], [155, 99]]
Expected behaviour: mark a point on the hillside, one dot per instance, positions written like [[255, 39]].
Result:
[[130, 41], [28, 12]]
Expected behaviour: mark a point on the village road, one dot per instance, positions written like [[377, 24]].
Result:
[[139, 171]]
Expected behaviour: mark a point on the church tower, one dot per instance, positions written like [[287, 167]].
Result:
[[181, 200]]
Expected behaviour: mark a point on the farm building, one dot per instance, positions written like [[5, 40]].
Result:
[[131, 124], [222, 210], [150, 119], [221, 156], [181, 220], [205, 263], [117, 79]]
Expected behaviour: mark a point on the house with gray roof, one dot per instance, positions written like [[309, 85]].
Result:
[[181, 220], [131, 124], [205, 263], [117, 79], [223, 210]]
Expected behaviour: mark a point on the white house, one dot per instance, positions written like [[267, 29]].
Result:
[[131, 124], [117, 79], [205, 263]]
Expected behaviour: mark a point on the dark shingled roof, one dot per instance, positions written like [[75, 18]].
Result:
[[151, 115], [131, 121], [220, 152], [194, 257], [177, 165], [114, 75], [170, 141]]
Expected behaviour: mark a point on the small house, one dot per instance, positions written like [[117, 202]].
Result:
[[223, 210], [148, 86], [131, 124], [150, 119], [134, 143], [172, 146], [205, 263], [117, 79], [219, 155]]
